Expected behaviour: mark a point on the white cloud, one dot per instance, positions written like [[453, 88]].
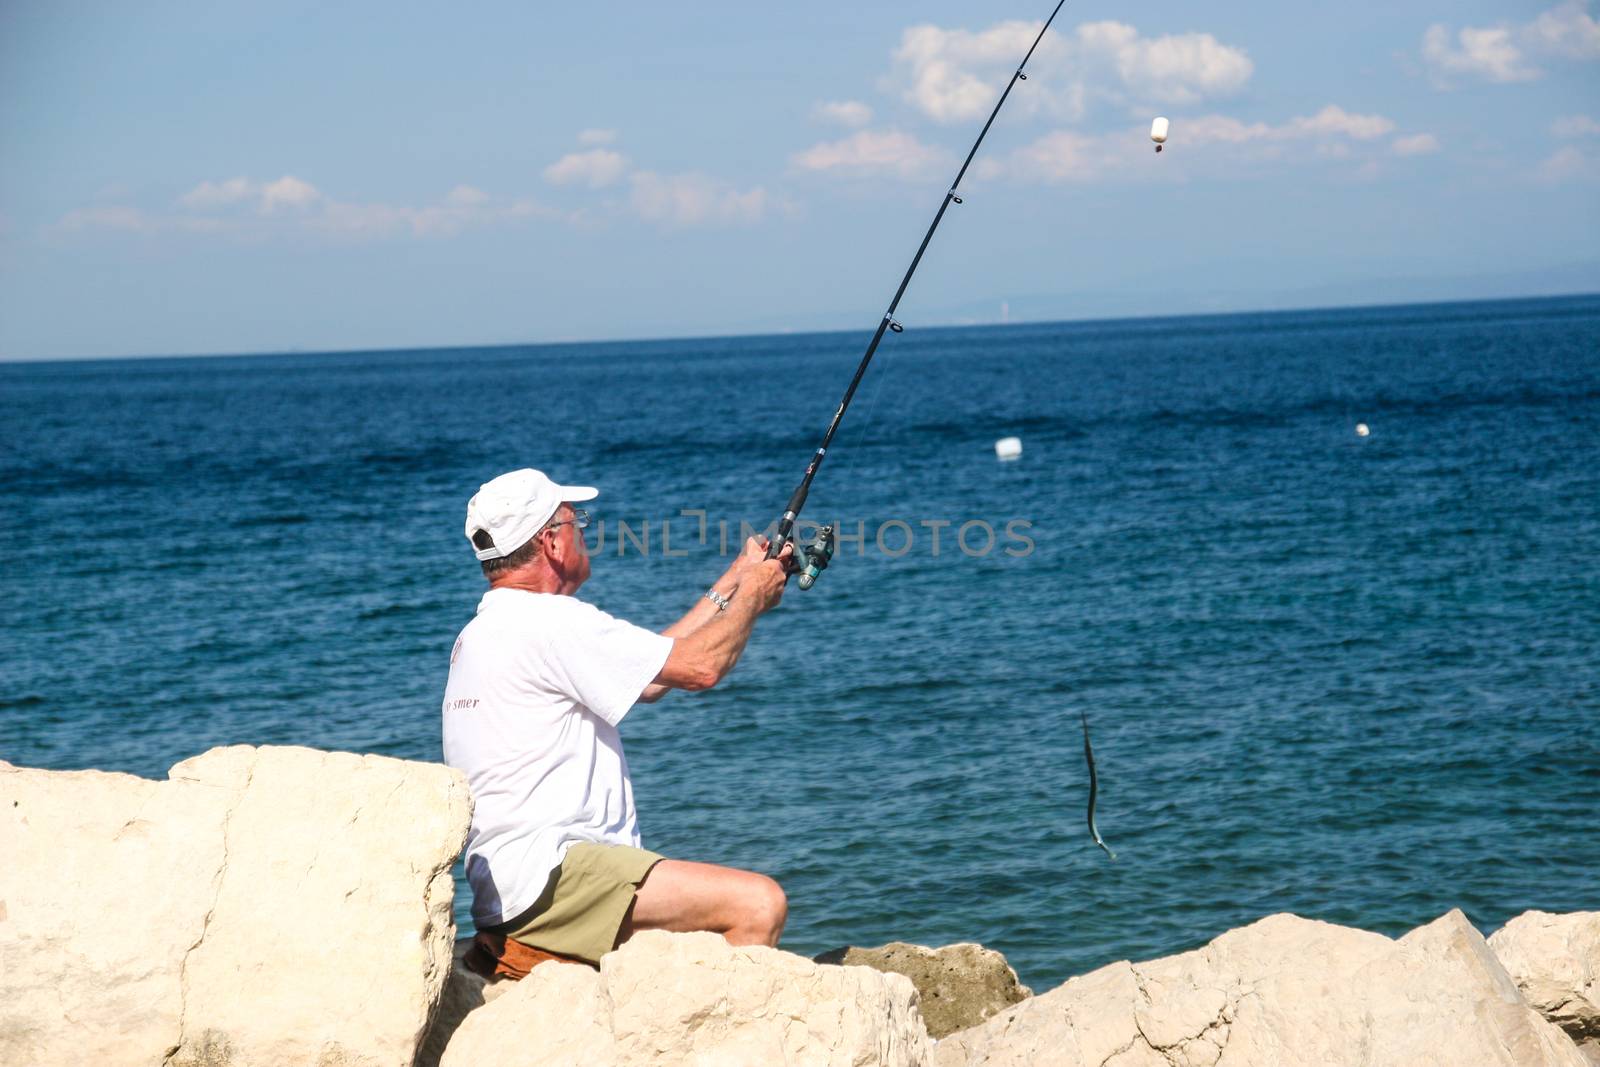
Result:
[[1419, 144], [1219, 129], [1575, 126], [693, 200], [1178, 68], [843, 112], [126, 219], [361, 220], [1565, 163], [939, 67], [1062, 156], [218, 194], [466, 196], [596, 168], [873, 152], [243, 207], [109, 217], [1499, 53], [1486, 52], [1331, 134], [1334, 120], [593, 137], [288, 191], [1565, 30], [464, 207], [957, 75], [1331, 121]]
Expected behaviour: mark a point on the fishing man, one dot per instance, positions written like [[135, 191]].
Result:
[[538, 682]]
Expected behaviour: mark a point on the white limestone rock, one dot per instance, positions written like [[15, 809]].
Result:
[[692, 999], [464, 993], [263, 906], [1555, 961], [1281, 991], [559, 1014], [1442, 992]]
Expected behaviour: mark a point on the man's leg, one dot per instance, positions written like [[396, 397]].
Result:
[[744, 907]]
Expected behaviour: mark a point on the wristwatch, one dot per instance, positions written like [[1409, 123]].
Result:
[[718, 599]]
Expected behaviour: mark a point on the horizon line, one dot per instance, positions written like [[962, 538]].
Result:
[[670, 338]]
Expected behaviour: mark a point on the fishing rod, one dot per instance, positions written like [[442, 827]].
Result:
[[810, 561]]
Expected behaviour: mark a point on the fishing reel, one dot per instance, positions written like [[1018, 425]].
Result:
[[809, 561]]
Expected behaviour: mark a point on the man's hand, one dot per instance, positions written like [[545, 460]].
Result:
[[764, 580], [754, 553]]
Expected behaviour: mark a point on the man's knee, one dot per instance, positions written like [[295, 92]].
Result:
[[769, 907], [747, 907]]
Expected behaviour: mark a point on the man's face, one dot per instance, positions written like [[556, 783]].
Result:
[[573, 558]]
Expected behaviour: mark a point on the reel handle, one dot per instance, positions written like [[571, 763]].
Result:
[[807, 561], [814, 560]]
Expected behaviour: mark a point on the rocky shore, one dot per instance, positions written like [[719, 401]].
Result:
[[283, 906]]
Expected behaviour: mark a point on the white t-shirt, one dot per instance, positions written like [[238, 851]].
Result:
[[538, 683]]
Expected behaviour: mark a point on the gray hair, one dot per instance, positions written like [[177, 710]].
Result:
[[519, 558]]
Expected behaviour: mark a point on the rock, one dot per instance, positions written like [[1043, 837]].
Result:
[[959, 986], [692, 999], [556, 1015], [263, 906], [1555, 961], [1283, 990], [464, 993], [1443, 992]]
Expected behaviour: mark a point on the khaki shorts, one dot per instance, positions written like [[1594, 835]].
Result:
[[581, 910]]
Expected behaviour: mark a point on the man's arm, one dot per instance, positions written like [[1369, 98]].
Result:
[[703, 611], [703, 657], [755, 550]]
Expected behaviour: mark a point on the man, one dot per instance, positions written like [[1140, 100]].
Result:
[[538, 682]]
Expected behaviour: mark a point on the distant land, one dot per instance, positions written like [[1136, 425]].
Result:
[[1579, 279], [1158, 296]]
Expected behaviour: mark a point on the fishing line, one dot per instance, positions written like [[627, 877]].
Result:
[[811, 562], [886, 371]]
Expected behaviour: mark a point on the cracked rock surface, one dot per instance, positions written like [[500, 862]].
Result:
[[1282, 991], [681, 999], [262, 906], [1555, 961]]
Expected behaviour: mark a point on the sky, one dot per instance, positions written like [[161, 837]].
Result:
[[195, 178]]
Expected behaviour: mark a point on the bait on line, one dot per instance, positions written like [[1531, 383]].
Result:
[[1094, 785]]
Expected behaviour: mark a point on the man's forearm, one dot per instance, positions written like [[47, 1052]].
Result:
[[703, 610], [704, 657], [707, 642], [722, 640]]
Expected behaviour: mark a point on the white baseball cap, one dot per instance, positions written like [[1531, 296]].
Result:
[[515, 506]]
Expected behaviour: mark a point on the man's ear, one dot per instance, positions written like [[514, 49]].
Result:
[[555, 548]]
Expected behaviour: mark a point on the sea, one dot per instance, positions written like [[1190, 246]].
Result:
[[1351, 676]]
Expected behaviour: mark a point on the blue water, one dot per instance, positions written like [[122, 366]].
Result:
[[1355, 678]]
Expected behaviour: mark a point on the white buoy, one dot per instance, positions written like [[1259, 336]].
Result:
[[1361, 429], [1158, 132], [1008, 448]]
